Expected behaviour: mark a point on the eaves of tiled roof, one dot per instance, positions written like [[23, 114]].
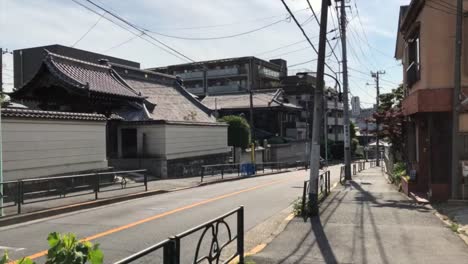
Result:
[[89, 76], [39, 114]]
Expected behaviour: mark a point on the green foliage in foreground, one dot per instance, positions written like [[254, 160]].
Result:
[[66, 249]]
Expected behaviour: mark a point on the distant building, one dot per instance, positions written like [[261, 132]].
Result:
[[355, 105], [26, 62], [300, 91], [272, 114], [231, 75]]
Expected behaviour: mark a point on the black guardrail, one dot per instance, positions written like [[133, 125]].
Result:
[[220, 170], [323, 190], [172, 246], [35, 190]]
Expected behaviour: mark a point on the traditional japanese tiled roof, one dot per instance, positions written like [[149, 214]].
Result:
[[85, 76], [165, 97], [261, 99], [39, 114]]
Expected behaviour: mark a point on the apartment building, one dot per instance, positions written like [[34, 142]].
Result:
[[230, 75]]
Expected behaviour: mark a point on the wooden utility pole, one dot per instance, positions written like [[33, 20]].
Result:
[[346, 122], [456, 99], [318, 108], [376, 76]]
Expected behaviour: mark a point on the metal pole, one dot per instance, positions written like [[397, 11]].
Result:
[[325, 127], [376, 75], [252, 131], [1, 150], [318, 101], [347, 148], [456, 99]]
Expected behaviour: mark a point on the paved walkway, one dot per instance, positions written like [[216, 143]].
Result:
[[367, 221]]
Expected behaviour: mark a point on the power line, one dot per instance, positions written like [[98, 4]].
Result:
[[122, 43], [318, 23], [301, 63], [89, 30], [129, 30], [216, 38], [289, 52], [439, 9], [282, 47], [229, 24], [140, 30], [304, 33]]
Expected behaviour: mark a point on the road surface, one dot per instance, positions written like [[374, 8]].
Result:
[[125, 228]]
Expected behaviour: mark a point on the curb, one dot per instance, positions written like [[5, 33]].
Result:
[[17, 219]]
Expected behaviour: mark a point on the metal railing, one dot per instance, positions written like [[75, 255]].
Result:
[[220, 170], [323, 190], [172, 246], [35, 190]]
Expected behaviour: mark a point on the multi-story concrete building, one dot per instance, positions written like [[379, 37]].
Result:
[[355, 105], [299, 91], [231, 75]]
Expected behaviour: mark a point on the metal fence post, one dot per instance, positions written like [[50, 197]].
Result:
[[145, 175], [240, 234], [19, 195], [304, 193], [202, 173], [96, 186], [169, 253], [222, 172]]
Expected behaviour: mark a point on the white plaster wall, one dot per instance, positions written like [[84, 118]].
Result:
[[35, 148]]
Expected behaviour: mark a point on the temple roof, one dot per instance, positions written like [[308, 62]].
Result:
[[261, 99], [170, 100], [39, 114], [85, 77]]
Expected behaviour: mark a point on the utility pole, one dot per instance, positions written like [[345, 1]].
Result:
[[456, 99], [252, 131], [376, 76], [1, 150], [318, 102], [347, 139], [325, 126]]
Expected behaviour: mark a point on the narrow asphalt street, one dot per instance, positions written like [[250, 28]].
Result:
[[125, 228]]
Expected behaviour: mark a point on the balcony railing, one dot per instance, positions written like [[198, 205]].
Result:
[[191, 75], [222, 72]]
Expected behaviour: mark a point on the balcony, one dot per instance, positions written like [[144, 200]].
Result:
[[331, 121], [222, 72], [331, 105], [220, 89], [195, 90], [191, 75]]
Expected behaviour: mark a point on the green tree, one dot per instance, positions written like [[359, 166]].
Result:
[[238, 131], [390, 117]]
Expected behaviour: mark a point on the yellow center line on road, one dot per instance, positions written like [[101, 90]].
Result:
[[151, 218]]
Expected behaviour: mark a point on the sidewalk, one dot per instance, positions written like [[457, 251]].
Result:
[[367, 221]]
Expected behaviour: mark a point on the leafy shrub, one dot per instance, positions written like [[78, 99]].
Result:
[[297, 206], [399, 171], [66, 249], [238, 131]]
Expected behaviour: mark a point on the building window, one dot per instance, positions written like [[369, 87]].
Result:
[[413, 72]]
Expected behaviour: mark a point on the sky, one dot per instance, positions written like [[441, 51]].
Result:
[[372, 26]]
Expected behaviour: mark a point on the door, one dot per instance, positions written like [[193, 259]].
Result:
[[129, 142]]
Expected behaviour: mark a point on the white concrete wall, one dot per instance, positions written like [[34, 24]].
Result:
[[194, 140], [173, 141], [35, 148]]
